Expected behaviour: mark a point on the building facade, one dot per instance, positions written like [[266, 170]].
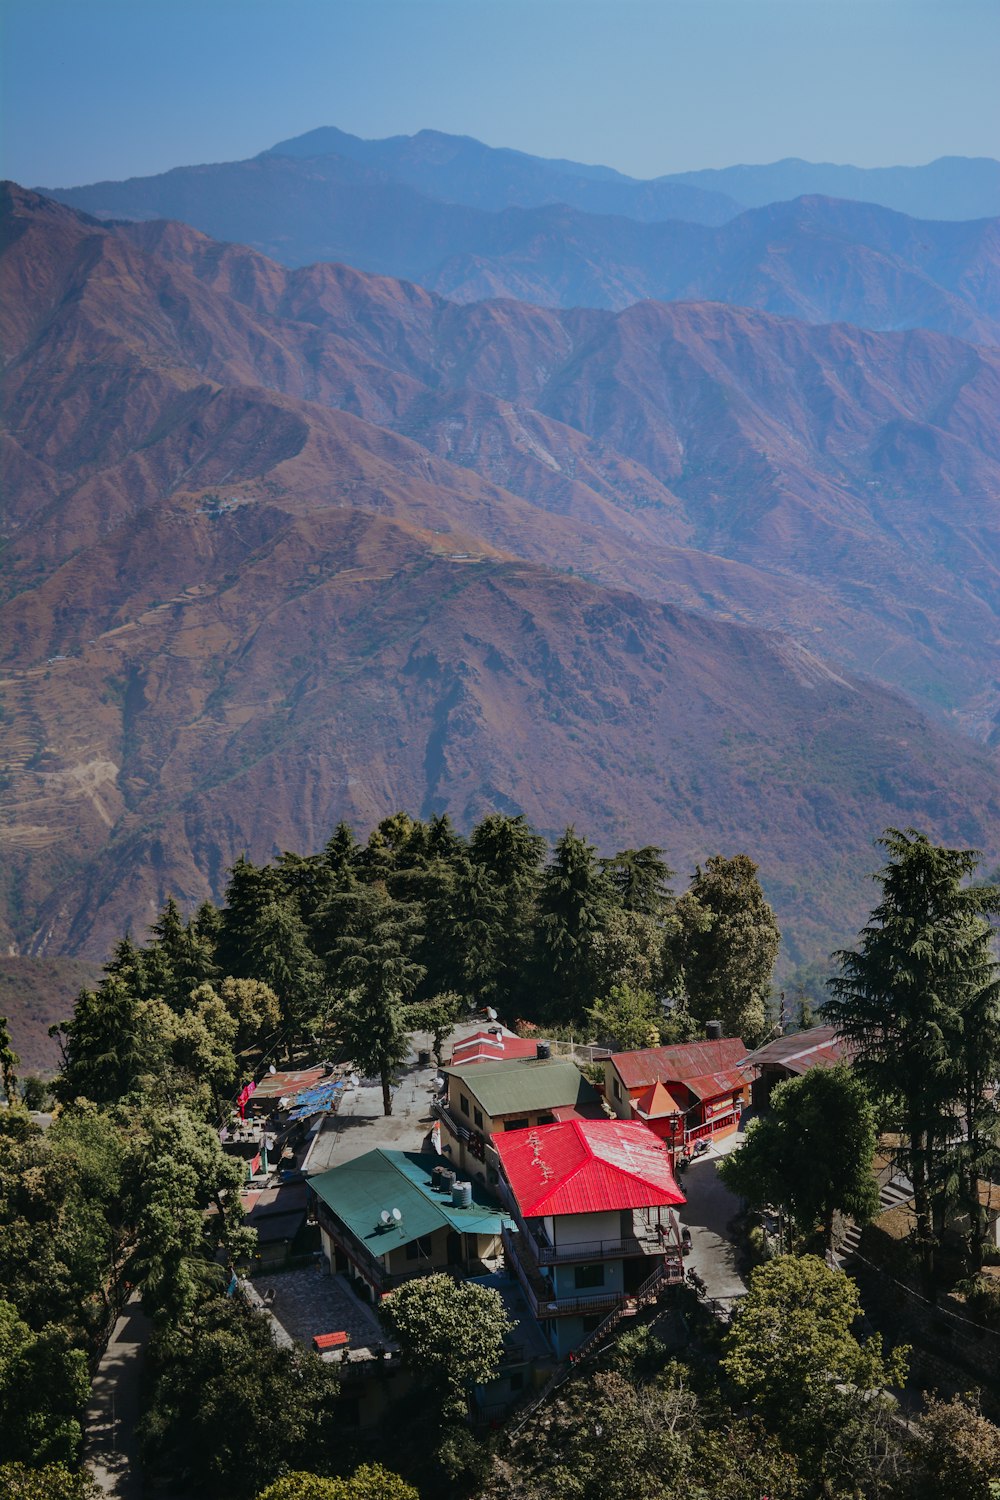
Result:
[[594, 1205], [687, 1093]]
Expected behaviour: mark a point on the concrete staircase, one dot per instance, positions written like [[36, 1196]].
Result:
[[890, 1196]]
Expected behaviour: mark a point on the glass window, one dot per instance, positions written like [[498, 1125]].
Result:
[[616, 1086], [477, 1116], [587, 1276], [463, 1104], [591, 1321]]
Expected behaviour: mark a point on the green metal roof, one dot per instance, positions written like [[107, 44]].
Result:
[[360, 1190], [520, 1086]]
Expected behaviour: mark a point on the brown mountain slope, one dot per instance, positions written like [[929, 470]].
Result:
[[264, 613], [862, 469], [334, 664]]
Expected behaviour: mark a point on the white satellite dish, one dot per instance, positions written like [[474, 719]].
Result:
[[397, 1216], [272, 1069], [384, 1217], [491, 1013]]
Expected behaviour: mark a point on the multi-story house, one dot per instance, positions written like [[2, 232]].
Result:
[[493, 1098], [594, 1205], [691, 1092], [388, 1216]]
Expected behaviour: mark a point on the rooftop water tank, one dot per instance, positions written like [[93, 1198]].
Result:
[[543, 1049], [713, 1031], [461, 1195]]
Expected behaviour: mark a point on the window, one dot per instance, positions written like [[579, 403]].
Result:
[[463, 1104], [588, 1276], [616, 1088], [477, 1116], [591, 1321], [416, 1248], [546, 1119], [517, 1381], [515, 1124]]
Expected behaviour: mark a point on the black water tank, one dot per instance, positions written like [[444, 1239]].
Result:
[[713, 1030], [542, 1049]]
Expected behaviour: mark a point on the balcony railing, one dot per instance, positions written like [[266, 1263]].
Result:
[[545, 1254]]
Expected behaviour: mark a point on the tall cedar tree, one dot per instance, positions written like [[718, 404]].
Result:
[[725, 945], [920, 1001], [9, 1062], [640, 879], [510, 853], [573, 909], [375, 972]]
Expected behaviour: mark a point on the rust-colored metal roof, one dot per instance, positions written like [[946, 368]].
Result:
[[711, 1085], [680, 1064], [587, 1167], [819, 1047]]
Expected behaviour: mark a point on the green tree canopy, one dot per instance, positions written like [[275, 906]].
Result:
[[229, 1410], [375, 974], [920, 1001], [626, 1019], [811, 1152], [451, 1332], [724, 942], [369, 1482], [50, 1482], [574, 906], [793, 1336]]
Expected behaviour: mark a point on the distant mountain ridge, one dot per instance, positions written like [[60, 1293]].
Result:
[[816, 259], [952, 187], [459, 169], [289, 546]]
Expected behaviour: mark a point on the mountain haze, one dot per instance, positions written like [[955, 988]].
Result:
[[815, 259]]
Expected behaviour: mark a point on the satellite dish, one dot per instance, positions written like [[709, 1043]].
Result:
[[272, 1069], [384, 1217], [491, 1013], [397, 1216]]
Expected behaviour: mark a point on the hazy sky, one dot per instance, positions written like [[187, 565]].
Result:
[[113, 88]]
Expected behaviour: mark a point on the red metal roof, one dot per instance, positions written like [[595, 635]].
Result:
[[681, 1064], [586, 1167], [486, 1046]]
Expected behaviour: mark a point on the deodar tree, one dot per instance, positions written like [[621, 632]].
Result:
[[920, 1001], [723, 945]]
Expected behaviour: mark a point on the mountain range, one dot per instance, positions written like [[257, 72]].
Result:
[[817, 259], [285, 546]]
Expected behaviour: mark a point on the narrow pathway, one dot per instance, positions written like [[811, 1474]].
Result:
[[708, 1213], [110, 1448]]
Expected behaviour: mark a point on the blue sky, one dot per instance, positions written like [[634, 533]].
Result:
[[113, 88]]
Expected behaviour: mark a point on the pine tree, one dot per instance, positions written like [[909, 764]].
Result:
[[725, 942], [640, 879], [573, 908], [919, 1001], [9, 1062], [510, 853], [376, 974]]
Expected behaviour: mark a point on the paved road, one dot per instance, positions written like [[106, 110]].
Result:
[[113, 1409], [710, 1209]]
